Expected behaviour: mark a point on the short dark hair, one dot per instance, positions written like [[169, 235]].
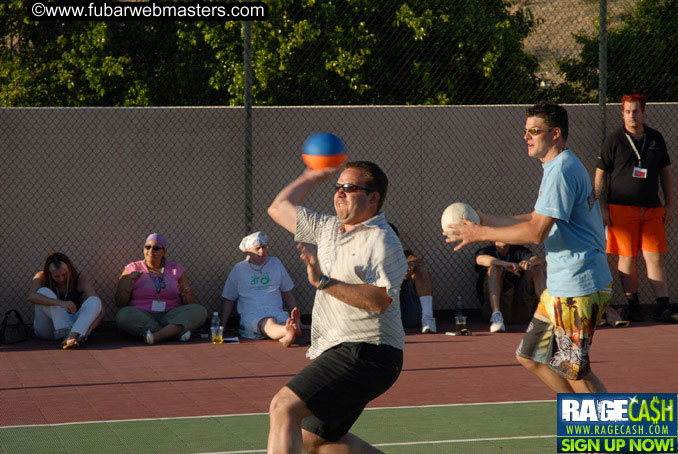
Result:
[[553, 114], [375, 178]]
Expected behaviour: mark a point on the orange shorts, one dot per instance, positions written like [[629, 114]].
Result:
[[635, 228]]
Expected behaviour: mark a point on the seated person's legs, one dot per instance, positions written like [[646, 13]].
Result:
[[42, 323], [494, 289], [422, 284], [178, 321], [135, 321], [56, 316], [282, 328], [410, 305], [536, 277], [189, 316], [418, 275], [526, 295], [493, 283], [271, 322], [88, 316], [85, 320]]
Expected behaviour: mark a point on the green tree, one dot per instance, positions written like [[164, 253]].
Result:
[[642, 57], [308, 52], [392, 52], [74, 63]]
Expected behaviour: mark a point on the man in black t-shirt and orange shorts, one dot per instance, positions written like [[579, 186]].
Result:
[[632, 164]]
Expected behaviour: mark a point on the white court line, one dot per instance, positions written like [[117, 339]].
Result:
[[412, 443], [465, 405], [263, 414], [467, 440]]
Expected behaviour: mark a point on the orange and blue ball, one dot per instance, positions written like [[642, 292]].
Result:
[[323, 150]]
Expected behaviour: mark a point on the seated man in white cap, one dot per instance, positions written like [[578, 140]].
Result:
[[260, 284]]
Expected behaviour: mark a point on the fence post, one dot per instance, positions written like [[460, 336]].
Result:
[[602, 70], [248, 124]]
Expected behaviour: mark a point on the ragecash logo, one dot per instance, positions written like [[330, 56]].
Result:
[[618, 423]]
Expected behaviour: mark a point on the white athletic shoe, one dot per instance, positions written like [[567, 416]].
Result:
[[428, 324], [148, 337], [497, 323], [186, 336]]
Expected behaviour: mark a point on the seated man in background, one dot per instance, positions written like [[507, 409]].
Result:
[[260, 284], [416, 294], [511, 278]]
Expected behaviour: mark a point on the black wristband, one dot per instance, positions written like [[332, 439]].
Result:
[[324, 280]]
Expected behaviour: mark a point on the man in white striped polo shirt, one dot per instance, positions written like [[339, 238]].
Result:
[[357, 338]]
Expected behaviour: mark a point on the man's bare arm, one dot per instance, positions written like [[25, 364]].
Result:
[[534, 231], [601, 183], [283, 209]]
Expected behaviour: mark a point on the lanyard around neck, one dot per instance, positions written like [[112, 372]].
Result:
[[158, 281], [635, 150]]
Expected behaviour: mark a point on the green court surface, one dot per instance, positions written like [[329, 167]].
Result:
[[514, 427]]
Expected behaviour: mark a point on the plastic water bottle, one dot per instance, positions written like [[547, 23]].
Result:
[[215, 320], [459, 319], [216, 331]]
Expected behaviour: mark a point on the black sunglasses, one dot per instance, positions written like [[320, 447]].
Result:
[[155, 248], [349, 188]]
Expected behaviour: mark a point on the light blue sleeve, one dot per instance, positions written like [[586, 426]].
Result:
[[556, 195]]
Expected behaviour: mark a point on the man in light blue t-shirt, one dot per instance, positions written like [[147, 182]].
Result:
[[567, 219]]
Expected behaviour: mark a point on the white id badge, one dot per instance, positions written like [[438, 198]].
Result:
[[639, 172], [158, 306]]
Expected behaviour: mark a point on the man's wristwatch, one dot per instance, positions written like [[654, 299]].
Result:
[[324, 280]]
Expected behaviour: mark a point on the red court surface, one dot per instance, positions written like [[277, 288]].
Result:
[[115, 378]]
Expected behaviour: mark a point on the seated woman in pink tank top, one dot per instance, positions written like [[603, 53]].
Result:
[[156, 298]]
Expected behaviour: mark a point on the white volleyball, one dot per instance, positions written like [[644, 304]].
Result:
[[455, 212]]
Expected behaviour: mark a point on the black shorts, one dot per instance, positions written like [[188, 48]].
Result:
[[338, 385]]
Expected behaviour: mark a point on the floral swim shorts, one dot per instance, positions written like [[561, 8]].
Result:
[[561, 332]]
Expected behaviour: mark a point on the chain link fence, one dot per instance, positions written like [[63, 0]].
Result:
[[93, 183], [433, 92]]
